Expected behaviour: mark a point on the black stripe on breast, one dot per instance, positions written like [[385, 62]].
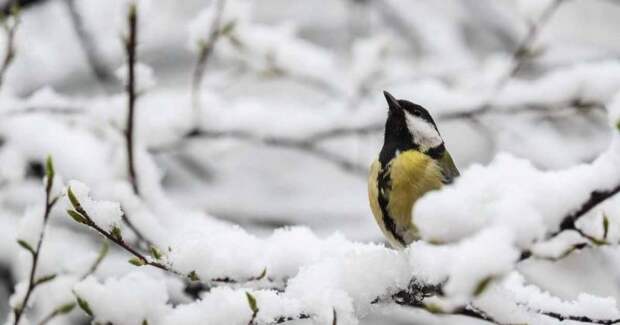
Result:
[[385, 184]]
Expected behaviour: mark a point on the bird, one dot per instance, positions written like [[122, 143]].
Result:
[[412, 162]]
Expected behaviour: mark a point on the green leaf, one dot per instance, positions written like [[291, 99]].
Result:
[[605, 226], [618, 126], [78, 217], [65, 309], [262, 275], [26, 246], [73, 199], [137, 261], [193, 276], [155, 252], [482, 286], [228, 28], [116, 233], [251, 302], [44, 279], [84, 306], [49, 174], [433, 308], [145, 322], [49, 168]]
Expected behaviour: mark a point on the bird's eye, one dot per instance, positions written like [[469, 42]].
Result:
[[417, 113]]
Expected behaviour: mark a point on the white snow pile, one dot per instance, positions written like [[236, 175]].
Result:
[[105, 214]]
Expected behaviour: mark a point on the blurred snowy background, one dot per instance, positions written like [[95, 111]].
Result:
[[289, 114]]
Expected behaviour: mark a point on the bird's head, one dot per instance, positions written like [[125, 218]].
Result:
[[410, 126]]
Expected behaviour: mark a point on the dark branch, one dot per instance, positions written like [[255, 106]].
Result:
[[595, 199], [18, 311], [130, 49], [582, 319]]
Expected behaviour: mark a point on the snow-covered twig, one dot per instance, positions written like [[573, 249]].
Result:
[[595, 199], [50, 201], [9, 24], [284, 319], [205, 50], [581, 319], [547, 108], [82, 216], [519, 56], [60, 310], [310, 145], [99, 68], [130, 50], [524, 49]]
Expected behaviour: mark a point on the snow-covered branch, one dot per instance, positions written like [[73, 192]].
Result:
[[9, 25]]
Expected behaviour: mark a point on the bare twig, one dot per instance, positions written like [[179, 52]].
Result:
[[130, 50], [10, 28], [99, 68], [60, 310], [524, 49], [310, 146], [32, 282], [103, 252], [205, 50], [521, 54], [141, 238]]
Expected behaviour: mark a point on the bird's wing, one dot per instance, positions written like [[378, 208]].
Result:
[[448, 169]]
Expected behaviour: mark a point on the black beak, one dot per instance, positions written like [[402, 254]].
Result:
[[392, 102]]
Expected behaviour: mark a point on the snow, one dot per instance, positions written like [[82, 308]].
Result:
[[30, 226], [234, 209], [105, 214], [536, 299], [141, 297]]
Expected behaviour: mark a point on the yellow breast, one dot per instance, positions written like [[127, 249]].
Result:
[[411, 174]]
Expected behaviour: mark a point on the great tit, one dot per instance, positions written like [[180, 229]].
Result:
[[412, 162]]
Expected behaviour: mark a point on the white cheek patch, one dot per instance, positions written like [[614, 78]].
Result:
[[424, 133]]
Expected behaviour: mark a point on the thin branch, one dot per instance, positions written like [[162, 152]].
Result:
[[206, 48], [141, 238], [305, 145], [80, 215], [32, 282], [60, 310], [596, 198], [582, 319], [524, 49], [10, 28], [130, 49], [522, 53], [99, 68], [103, 252]]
